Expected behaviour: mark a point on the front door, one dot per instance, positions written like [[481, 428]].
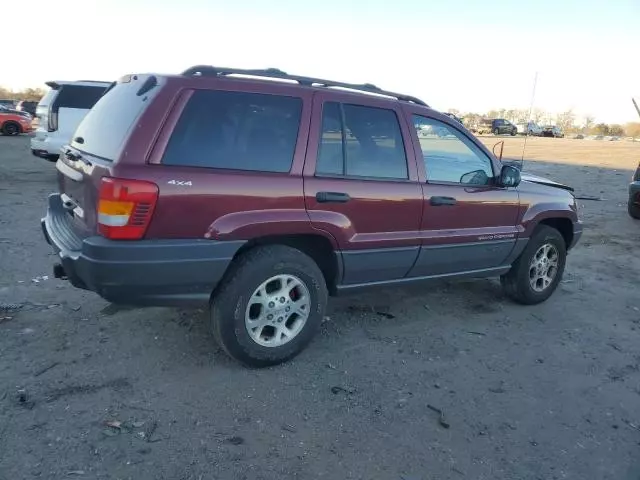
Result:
[[361, 186], [469, 223]]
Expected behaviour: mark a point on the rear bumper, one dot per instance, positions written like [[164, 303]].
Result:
[[144, 272], [44, 145]]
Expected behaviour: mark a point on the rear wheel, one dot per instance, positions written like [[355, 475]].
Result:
[[11, 128], [535, 275], [269, 306], [513, 132]]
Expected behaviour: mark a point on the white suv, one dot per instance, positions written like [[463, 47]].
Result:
[[59, 113]]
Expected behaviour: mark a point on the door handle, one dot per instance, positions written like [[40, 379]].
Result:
[[332, 197], [442, 201]]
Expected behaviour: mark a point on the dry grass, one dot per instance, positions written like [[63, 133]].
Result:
[[616, 155]]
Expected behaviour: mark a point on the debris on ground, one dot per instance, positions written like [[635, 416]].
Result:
[[46, 369], [10, 307], [441, 419], [289, 428], [383, 311], [338, 389], [234, 440], [24, 399], [590, 197], [471, 332]]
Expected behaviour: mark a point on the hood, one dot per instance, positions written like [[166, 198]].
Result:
[[526, 177]]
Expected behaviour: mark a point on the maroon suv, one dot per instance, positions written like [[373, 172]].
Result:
[[260, 193]]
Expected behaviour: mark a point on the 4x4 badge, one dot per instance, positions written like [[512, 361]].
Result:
[[180, 182]]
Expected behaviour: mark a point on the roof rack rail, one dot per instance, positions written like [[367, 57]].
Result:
[[211, 71]]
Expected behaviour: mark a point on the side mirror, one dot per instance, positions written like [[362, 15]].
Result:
[[509, 176], [477, 177]]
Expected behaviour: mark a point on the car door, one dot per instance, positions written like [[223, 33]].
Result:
[[361, 185], [469, 223]]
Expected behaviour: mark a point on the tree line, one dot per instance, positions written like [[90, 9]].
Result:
[[29, 94], [568, 121]]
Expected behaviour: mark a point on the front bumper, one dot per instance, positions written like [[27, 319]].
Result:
[[142, 272], [577, 233], [634, 191]]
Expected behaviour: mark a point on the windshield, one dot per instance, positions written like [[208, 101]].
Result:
[[105, 129]]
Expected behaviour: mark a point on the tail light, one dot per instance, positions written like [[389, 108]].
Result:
[[53, 121], [125, 208]]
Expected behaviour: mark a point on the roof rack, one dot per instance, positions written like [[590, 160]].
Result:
[[210, 71]]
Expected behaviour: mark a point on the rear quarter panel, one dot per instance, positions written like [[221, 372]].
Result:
[[218, 204]]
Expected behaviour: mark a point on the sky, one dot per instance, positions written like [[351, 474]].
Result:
[[470, 55]]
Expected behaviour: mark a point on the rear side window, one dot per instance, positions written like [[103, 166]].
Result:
[[236, 130], [359, 141], [104, 130], [77, 96]]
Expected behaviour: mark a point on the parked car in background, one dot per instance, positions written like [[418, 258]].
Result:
[[7, 103], [60, 112], [14, 123], [27, 106], [9, 109], [634, 195], [531, 128], [497, 126], [552, 131], [209, 189]]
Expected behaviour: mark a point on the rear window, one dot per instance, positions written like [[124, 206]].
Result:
[[105, 128], [78, 96], [236, 130]]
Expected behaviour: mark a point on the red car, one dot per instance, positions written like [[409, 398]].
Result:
[[14, 123], [261, 194]]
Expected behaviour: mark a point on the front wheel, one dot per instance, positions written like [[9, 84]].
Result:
[[269, 306], [535, 275], [496, 131]]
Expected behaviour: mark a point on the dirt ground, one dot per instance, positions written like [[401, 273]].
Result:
[[545, 392]]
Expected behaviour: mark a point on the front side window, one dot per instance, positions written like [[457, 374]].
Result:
[[237, 131], [449, 156], [359, 141]]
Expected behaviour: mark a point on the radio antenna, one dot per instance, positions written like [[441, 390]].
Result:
[[526, 135], [636, 105]]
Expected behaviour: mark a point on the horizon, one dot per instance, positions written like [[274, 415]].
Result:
[[464, 56]]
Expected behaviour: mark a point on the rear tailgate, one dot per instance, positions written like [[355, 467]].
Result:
[[96, 147]]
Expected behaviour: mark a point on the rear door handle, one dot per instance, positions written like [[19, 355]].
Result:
[[332, 197], [442, 201]]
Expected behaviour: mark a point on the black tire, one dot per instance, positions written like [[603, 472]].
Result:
[[229, 303], [11, 128], [516, 282], [513, 132], [634, 208], [52, 158], [496, 131]]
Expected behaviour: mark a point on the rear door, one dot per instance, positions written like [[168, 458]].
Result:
[[469, 223], [97, 145], [361, 186]]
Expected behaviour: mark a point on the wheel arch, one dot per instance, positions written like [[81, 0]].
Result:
[[318, 247]]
